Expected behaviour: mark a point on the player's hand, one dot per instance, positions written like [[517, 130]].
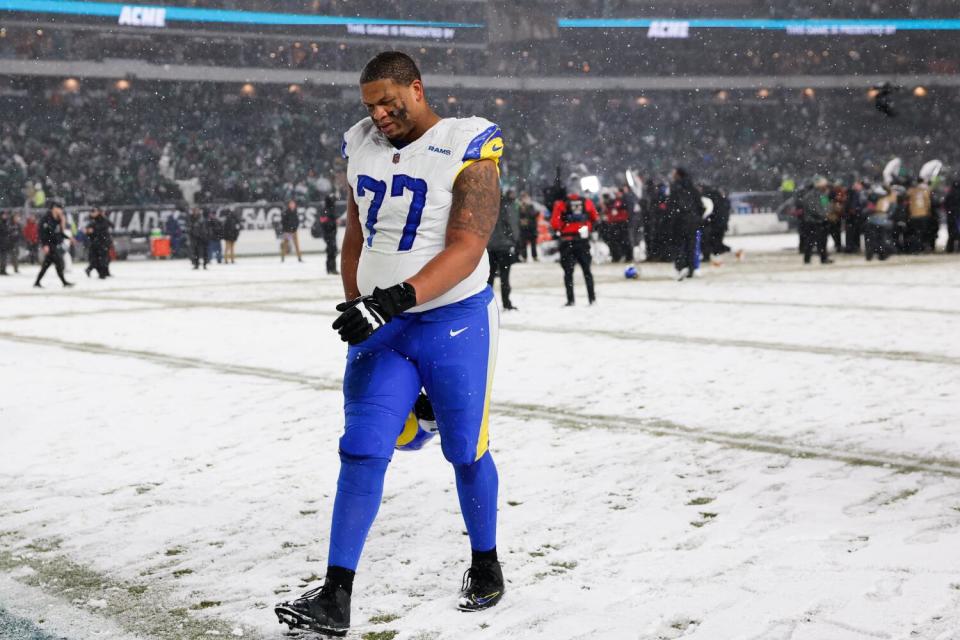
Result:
[[360, 317]]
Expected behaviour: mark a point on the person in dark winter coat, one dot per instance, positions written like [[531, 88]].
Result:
[[658, 226], [51, 242], [214, 235], [173, 229], [98, 235], [854, 217], [529, 218], [17, 237], [951, 204], [197, 233], [715, 225], [502, 246], [231, 232], [289, 224], [813, 203], [686, 210], [9, 241], [326, 227]]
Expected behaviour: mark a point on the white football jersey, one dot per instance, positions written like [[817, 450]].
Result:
[[404, 198]]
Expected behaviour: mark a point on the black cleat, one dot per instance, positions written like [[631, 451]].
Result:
[[323, 610], [482, 587]]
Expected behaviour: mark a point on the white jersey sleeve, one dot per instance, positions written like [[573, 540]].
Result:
[[404, 197]]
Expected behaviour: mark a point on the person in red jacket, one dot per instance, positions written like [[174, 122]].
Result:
[[618, 230], [573, 218], [31, 234]]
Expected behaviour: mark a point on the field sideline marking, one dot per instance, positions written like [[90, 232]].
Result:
[[161, 304], [559, 417]]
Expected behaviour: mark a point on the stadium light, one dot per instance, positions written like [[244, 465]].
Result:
[[590, 184]]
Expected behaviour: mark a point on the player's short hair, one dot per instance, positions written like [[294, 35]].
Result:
[[391, 65]]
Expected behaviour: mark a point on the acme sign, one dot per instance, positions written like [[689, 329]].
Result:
[[669, 29], [143, 16]]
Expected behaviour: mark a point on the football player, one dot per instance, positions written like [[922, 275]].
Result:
[[424, 198]]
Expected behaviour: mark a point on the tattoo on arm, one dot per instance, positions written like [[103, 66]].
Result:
[[476, 200]]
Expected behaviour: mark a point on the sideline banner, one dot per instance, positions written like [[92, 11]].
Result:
[[140, 220]]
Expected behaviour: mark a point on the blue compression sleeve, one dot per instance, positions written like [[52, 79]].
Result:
[[477, 485], [359, 491]]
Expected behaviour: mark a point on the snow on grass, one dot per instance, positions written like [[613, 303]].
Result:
[[769, 451]]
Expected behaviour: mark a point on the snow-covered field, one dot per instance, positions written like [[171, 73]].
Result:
[[769, 452]]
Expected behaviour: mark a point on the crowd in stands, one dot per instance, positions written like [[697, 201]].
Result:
[[158, 143], [132, 147]]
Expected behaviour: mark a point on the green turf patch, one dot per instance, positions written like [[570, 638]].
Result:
[[383, 618], [137, 609]]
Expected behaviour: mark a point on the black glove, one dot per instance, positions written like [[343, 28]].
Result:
[[360, 317]]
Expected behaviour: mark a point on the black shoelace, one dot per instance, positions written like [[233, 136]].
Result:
[[315, 592], [476, 575]]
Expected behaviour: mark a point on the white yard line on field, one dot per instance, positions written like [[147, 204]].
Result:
[[559, 417]]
